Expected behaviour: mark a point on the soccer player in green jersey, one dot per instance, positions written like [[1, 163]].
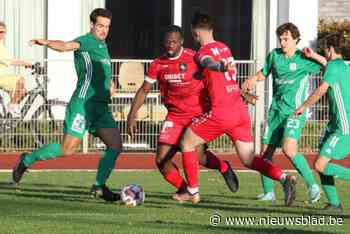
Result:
[[335, 142], [290, 71], [88, 106]]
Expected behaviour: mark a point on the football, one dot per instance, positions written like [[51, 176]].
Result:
[[132, 195]]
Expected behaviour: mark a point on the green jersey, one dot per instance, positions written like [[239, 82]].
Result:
[[93, 68], [290, 79], [337, 75]]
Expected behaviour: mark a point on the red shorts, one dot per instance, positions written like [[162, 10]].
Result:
[[173, 129], [210, 126]]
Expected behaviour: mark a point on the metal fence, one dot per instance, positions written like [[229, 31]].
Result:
[[42, 116]]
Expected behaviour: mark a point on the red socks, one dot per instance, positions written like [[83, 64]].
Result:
[[174, 178], [213, 162], [191, 167], [266, 168]]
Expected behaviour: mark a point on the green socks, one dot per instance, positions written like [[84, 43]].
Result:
[[267, 184], [106, 165], [328, 186], [46, 152], [337, 171], [304, 169]]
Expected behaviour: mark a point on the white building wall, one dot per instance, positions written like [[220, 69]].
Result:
[[63, 24], [302, 13]]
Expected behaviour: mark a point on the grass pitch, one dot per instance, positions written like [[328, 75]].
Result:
[[59, 202]]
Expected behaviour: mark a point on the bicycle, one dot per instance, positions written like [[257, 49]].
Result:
[[35, 106]]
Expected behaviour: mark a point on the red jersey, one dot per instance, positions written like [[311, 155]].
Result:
[[223, 89], [177, 76]]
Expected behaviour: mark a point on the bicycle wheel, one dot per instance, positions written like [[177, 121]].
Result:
[[48, 120]]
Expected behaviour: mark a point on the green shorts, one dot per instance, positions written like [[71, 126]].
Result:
[[335, 145], [87, 116], [280, 126]]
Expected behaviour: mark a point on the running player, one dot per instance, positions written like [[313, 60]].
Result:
[[335, 142], [177, 73], [290, 71], [88, 106], [228, 114]]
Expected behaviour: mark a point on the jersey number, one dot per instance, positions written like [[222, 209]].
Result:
[[229, 76]]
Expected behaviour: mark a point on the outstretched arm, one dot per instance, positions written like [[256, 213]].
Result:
[[57, 45]]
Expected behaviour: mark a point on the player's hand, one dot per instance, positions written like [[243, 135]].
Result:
[[112, 89], [299, 111], [249, 98], [131, 126], [230, 66], [308, 52], [42, 42], [249, 84], [28, 65]]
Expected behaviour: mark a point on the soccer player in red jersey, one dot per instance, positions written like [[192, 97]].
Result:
[[176, 71], [228, 114]]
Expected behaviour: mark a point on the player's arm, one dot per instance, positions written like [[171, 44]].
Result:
[[209, 63], [57, 45], [138, 101], [21, 63], [112, 89], [315, 96], [310, 53], [250, 83]]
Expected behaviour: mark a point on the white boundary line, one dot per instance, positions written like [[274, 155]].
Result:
[[118, 170]]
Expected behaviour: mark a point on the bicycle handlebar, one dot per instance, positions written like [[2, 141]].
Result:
[[38, 69]]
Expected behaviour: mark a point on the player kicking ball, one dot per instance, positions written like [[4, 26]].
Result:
[[88, 106]]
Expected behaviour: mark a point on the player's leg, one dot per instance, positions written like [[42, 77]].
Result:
[[270, 141], [15, 86], [243, 141], [190, 166], [209, 160], [333, 146], [46, 152], [268, 194], [169, 138], [167, 168], [74, 128], [19, 91], [291, 135], [205, 130], [112, 139]]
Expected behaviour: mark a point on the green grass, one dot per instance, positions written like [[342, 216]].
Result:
[[59, 202]]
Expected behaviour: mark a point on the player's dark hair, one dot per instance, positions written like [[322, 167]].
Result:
[[202, 21], [292, 28], [335, 40], [100, 12], [174, 29]]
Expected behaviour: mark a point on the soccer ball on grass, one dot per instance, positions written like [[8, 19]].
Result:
[[132, 195]]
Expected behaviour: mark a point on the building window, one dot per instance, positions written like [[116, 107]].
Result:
[[232, 23], [137, 27]]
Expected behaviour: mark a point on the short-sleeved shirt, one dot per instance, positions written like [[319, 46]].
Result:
[[5, 60], [93, 68], [289, 79], [180, 85], [337, 75], [222, 87]]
